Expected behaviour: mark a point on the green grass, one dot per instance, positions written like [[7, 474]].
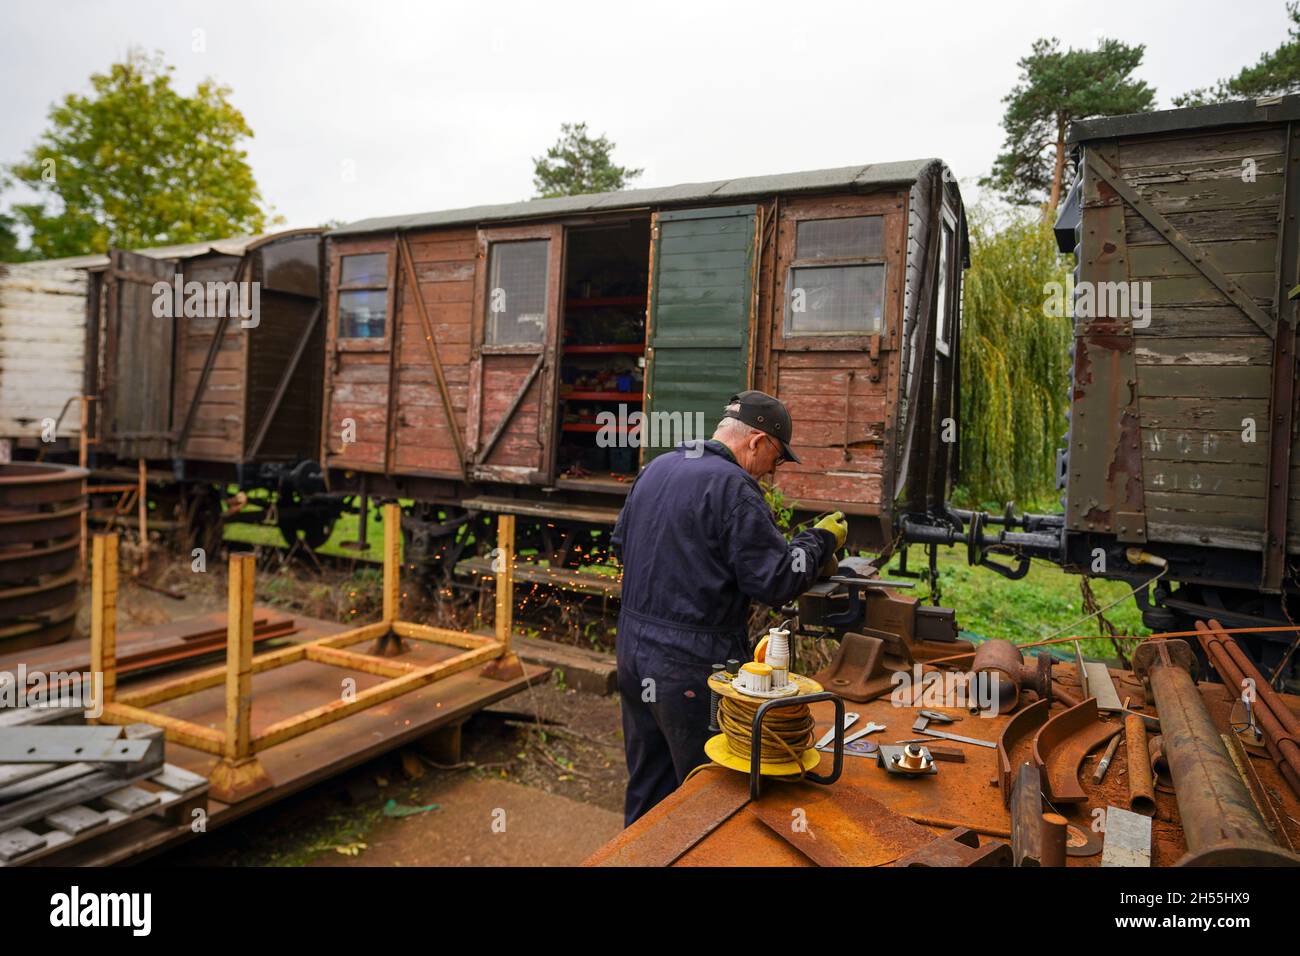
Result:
[[1031, 609], [347, 528]]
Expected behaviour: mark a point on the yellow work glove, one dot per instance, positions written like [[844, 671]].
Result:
[[836, 525]]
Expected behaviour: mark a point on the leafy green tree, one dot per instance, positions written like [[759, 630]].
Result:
[[1275, 74], [578, 164], [1056, 88], [137, 164], [1015, 361], [9, 251]]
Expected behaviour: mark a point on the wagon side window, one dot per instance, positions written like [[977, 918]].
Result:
[[516, 293], [363, 296], [941, 293], [836, 283]]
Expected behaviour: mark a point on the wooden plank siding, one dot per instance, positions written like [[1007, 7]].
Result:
[[217, 433], [701, 328], [357, 373], [42, 347], [512, 408], [419, 442], [445, 264], [1203, 367], [839, 414]]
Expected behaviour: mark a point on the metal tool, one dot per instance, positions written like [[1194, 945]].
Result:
[[1104, 763], [858, 735], [937, 717], [910, 761], [871, 728], [958, 738], [849, 720]]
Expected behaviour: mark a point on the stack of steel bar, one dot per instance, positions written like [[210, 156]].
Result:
[[63, 785], [1280, 727]]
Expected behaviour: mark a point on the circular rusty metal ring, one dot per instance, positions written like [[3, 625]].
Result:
[[57, 626], [25, 527], [24, 483], [26, 564], [24, 602]]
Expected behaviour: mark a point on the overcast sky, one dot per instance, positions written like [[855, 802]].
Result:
[[434, 106]]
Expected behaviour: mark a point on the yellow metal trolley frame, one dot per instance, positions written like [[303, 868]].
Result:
[[240, 774]]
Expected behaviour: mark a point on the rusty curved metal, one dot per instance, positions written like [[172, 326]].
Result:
[[1018, 730], [1062, 743]]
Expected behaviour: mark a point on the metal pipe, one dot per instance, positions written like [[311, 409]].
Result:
[[1141, 788], [1219, 819], [1280, 726], [1054, 837]]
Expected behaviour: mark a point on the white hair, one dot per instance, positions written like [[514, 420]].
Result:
[[733, 427]]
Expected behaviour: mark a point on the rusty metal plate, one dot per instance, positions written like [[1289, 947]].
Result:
[[683, 819], [840, 826]]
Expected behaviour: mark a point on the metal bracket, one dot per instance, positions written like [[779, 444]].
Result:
[[756, 737]]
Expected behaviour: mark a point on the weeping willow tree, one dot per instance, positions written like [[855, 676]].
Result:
[[1015, 361]]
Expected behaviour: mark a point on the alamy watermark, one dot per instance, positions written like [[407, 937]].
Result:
[[24, 688], [1099, 300], [976, 691], [208, 300], [633, 428]]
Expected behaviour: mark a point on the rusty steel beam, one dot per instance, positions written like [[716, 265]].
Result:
[[1219, 819]]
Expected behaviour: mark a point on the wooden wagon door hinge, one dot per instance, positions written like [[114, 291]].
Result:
[[874, 355]]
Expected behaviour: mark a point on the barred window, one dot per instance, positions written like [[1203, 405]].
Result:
[[516, 294], [836, 283]]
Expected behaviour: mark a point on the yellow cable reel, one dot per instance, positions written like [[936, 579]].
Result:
[[731, 747]]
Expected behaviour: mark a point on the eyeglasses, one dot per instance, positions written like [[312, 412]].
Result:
[[780, 451]]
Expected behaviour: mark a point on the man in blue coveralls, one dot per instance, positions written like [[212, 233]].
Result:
[[698, 542]]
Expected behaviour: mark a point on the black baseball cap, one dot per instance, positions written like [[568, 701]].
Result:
[[767, 414]]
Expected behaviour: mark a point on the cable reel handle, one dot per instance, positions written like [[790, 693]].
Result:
[[756, 737]]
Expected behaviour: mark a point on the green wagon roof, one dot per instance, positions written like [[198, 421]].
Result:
[[845, 177]]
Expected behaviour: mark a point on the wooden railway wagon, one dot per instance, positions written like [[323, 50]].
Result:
[[1183, 428], [42, 349], [177, 380], [494, 359]]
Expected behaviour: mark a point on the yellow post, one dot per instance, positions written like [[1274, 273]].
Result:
[[239, 656], [392, 561], [239, 774], [103, 613], [508, 666], [505, 568]]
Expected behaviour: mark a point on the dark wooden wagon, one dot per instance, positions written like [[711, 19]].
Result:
[[1183, 427], [494, 359]]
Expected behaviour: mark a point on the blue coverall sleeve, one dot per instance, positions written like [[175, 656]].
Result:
[[616, 539], [768, 568]]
